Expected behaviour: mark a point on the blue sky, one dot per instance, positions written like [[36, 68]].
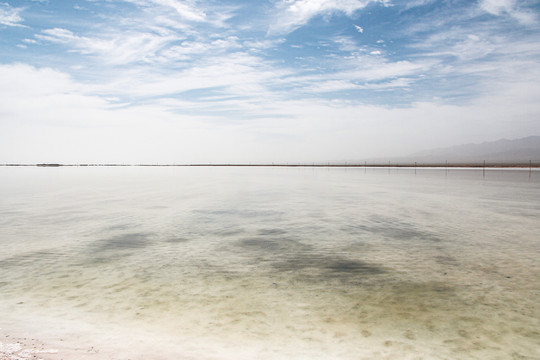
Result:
[[176, 81]]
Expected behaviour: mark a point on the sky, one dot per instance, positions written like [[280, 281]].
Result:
[[245, 81]]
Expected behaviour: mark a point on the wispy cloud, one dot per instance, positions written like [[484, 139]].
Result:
[[189, 10], [474, 54], [262, 44], [292, 14], [186, 49], [330, 86], [459, 44], [9, 16], [186, 9], [114, 48], [157, 32], [509, 8], [238, 74], [408, 4]]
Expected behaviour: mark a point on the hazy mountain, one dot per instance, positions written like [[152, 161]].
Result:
[[500, 151]]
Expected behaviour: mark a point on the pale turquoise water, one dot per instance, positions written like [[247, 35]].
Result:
[[272, 263]]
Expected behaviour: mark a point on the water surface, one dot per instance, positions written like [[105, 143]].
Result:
[[272, 263]]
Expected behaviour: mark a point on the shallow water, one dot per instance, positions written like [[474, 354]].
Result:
[[271, 263]]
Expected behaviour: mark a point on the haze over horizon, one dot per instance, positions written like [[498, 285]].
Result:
[[170, 81]]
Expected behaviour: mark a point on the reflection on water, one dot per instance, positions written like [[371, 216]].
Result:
[[272, 263]]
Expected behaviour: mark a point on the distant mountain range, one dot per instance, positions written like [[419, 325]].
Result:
[[500, 151]]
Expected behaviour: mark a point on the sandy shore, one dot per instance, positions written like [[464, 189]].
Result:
[[15, 348]]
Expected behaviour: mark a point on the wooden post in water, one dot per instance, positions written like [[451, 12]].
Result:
[[365, 167], [484, 169], [530, 168], [446, 168], [415, 168]]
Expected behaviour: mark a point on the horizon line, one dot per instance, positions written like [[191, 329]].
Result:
[[482, 164]]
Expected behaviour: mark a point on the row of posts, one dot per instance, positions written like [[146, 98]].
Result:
[[446, 167]]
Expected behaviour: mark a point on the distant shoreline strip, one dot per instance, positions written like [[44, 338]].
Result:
[[327, 165]]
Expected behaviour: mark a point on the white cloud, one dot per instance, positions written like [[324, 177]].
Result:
[[497, 7], [359, 28], [473, 47], [461, 45], [188, 49], [292, 14], [327, 86], [251, 77], [81, 127], [359, 72], [115, 48], [189, 12], [375, 69], [58, 35], [185, 9], [237, 74], [331, 86], [264, 44], [346, 44], [20, 79], [483, 52], [9, 16], [508, 7], [474, 56], [416, 3]]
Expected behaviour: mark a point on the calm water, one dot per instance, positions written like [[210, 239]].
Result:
[[271, 263]]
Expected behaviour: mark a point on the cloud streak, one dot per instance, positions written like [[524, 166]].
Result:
[[115, 48], [9, 16], [509, 8], [292, 14]]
